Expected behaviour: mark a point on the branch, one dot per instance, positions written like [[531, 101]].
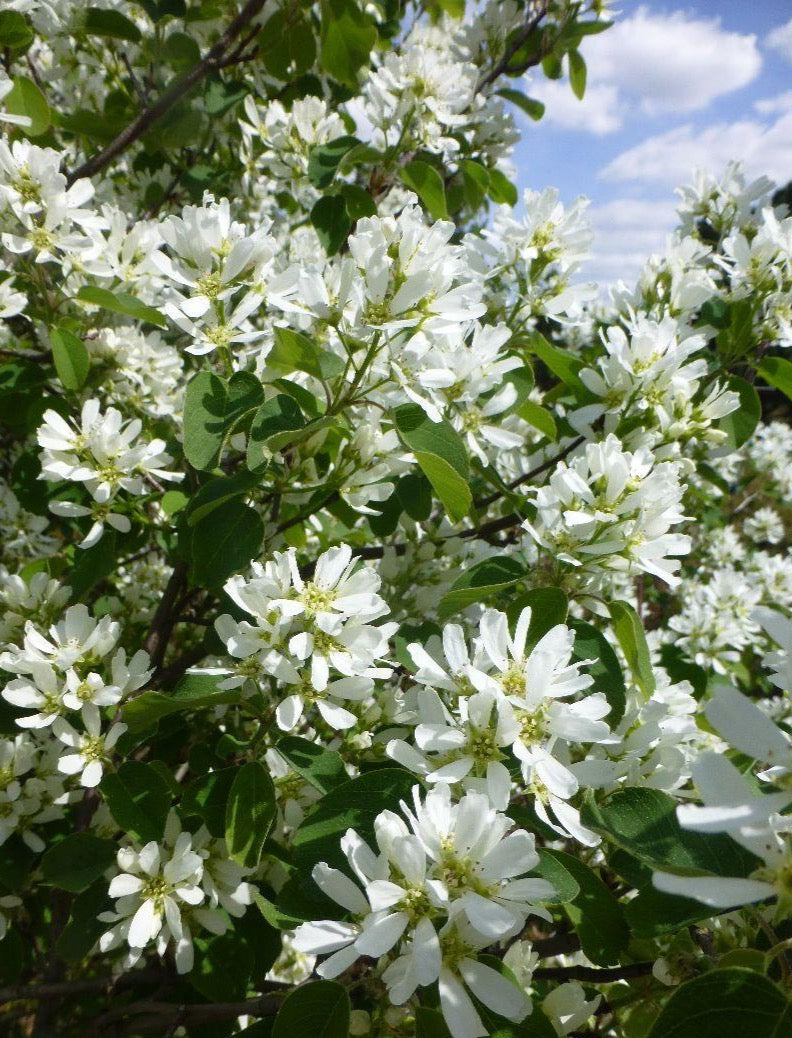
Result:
[[514, 46], [163, 620], [592, 975], [164, 1017], [484, 502], [212, 61], [65, 988]]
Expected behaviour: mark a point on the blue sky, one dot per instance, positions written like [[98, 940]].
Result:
[[671, 87]]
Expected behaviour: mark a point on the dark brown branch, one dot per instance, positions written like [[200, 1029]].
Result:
[[164, 617], [592, 975], [215, 59], [73, 988], [519, 40], [484, 502], [163, 1017]]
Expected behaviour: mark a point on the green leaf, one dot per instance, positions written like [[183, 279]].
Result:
[[430, 1023], [449, 486], [440, 452], [277, 417], [25, 98], [480, 583], [533, 109], [110, 24], [324, 769], [715, 312], [331, 222], [72, 362], [540, 418], [725, 1003], [354, 805], [777, 372], [427, 183], [217, 492], [358, 201], [591, 644], [577, 73], [643, 822], [319, 1010], [552, 869], [181, 51], [207, 796], [294, 351], [475, 182], [77, 861], [740, 424], [193, 692], [224, 543], [346, 37], [414, 492], [139, 799], [655, 914], [15, 32], [250, 812], [287, 44], [324, 160], [121, 303], [549, 607], [83, 928], [205, 404], [223, 965], [596, 915], [245, 393], [561, 363], [501, 190], [630, 634]]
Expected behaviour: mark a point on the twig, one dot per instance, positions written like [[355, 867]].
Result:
[[484, 502], [163, 620], [592, 975], [212, 61], [511, 50]]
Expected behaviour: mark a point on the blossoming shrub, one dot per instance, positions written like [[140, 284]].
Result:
[[396, 636]]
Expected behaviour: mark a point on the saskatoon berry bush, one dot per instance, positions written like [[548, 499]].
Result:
[[395, 627]]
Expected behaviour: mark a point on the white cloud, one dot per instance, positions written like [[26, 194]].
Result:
[[652, 62], [626, 232], [775, 105], [670, 158], [599, 112], [780, 39]]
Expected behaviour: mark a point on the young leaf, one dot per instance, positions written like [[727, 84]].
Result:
[[740, 424], [629, 631], [440, 452], [250, 812], [777, 372], [193, 692], [577, 73], [324, 159], [294, 351], [346, 38], [72, 362], [427, 183], [331, 222], [121, 303], [480, 583], [25, 98]]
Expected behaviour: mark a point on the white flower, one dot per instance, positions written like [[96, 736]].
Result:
[[90, 748], [452, 863], [152, 887], [568, 1008]]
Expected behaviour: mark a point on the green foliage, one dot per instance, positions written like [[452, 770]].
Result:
[[441, 455], [77, 861], [320, 1009], [250, 811]]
